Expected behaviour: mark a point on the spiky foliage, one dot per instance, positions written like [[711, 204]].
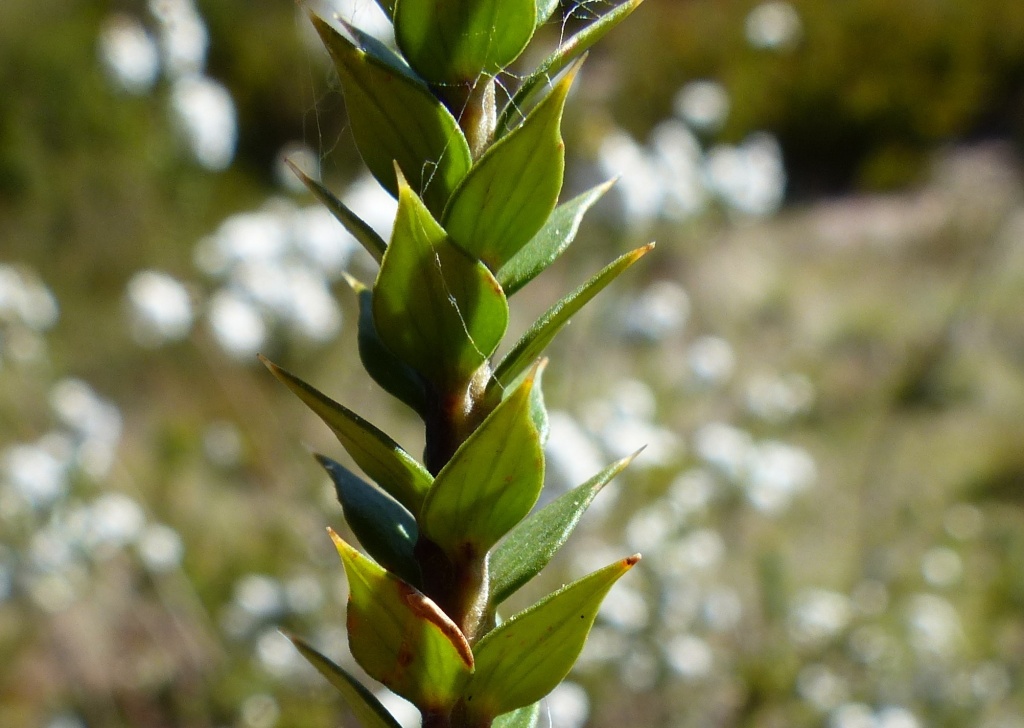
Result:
[[446, 541]]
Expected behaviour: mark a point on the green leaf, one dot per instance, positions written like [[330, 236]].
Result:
[[527, 717], [400, 637], [490, 483], [523, 659], [395, 118], [545, 9], [367, 709], [550, 242], [385, 529], [363, 233], [435, 308], [397, 378], [513, 187], [534, 341], [565, 54], [380, 457], [455, 41], [530, 546]]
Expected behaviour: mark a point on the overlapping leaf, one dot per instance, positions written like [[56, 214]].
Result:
[[531, 545], [455, 41], [565, 54], [536, 339], [513, 187], [367, 709], [549, 242], [435, 308], [380, 457], [395, 118], [385, 529], [400, 637], [523, 659], [491, 482], [395, 376]]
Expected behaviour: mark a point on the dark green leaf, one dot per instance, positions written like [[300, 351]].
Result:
[[534, 341], [490, 483], [513, 187], [528, 717], [380, 457], [565, 54], [523, 659], [550, 242], [455, 41], [396, 119], [435, 308], [400, 637], [366, 235], [531, 545], [397, 378], [385, 529], [363, 704]]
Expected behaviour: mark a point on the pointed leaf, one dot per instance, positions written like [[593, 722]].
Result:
[[513, 187], [565, 54], [528, 717], [396, 119], [363, 704], [550, 242], [396, 377], [380, 457], [400, 637], [530, 546], [490, 483], [437, 309], [363, 233], [455, 41], [385, 529], [534, 341], [523, 659]]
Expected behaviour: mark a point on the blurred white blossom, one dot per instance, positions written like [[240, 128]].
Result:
[[129, 53], [774, 25]]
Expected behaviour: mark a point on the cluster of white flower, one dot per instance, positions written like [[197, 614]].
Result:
[[27, 310], [201, 107]]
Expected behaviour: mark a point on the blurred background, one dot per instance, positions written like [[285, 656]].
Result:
[[824, 355]]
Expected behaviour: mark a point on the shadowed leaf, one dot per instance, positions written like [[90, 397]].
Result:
[[455, 41], [384, 528], [528, 717], [395, 118]]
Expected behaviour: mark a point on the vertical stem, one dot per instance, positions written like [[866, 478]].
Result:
[[473, 104]]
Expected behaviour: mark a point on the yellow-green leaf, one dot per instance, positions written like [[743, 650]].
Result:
[[395, 118], [491, 482], [509, 193], [400, 637], [522, 660], [435, 308], [531, 545]]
